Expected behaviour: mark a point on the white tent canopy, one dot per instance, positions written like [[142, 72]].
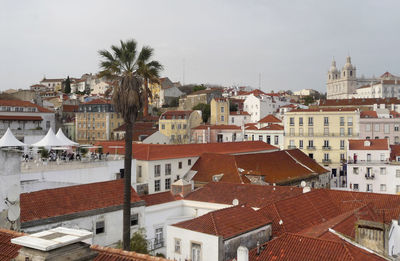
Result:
[[60, 135], [9, 140], [50, 140]]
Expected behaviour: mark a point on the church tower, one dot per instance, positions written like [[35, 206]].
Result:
[[333, 76], [341, 84]]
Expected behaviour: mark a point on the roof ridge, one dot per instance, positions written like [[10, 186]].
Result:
[[298, 162], [214, 223]]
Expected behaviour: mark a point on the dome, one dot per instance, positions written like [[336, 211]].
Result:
[[348, 65], [333, 67]]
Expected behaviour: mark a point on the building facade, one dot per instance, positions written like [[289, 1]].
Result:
[[380, 124], [219, 111], [177, 125]]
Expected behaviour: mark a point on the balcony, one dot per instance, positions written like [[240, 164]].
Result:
[[326, 147], [369, 176], [326, 161], [154, 244], [311, 147], [291, 147]]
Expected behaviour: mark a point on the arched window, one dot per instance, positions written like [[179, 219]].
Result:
[[351, 73], [344, 73]]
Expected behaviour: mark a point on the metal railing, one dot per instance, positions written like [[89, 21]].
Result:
[[327, 161], [326, 147], [154, 244], [311, 147], [369, 176]]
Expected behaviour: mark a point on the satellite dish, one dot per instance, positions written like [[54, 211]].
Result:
[[303, 184], [13, 212], [235, 202], [13, 194], [280, 222]]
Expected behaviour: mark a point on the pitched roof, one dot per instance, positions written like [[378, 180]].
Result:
[[51, 80], [296, 247], [112, 254], [170, 151], [176, 115], [158, 198], [98, 101], [70, 108], [227, 222], [270, 119], [387, 75], [275, 167], [272, 127], [20, 118], [239, 113], [394, 151], [8, 251], [323, 109], [375, 144], [67, 200], [217, 127], [359, 102], [368, 114], [19, 103], [249, 194]]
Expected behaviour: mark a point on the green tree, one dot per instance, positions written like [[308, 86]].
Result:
[[139, 242], [233, 107], [199, 88], [205, 111], [121, 65], [67, 88], [150, 72], [308, 100]]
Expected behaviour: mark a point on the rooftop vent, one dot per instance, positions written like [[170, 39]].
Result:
[[367, 143]]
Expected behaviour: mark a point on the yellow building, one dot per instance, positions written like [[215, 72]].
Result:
[[177, 125], [96, 120], [219, 111], [155, 89], [322, 133]]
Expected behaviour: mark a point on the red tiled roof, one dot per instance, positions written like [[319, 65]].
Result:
[[52, 80], [167, 151], [387, 75], [272, 127], [368, 114], [8, 250], [375, 144], [322, 109], [177, 114], [394, 114], [227, 222], [249, 194], [270, 119], [359, 102], [251, 127], [394, 151], [112, 254], [98, 101], [70, 108], [38, 85], [276, 167], [20, 118], [19, 103], [296, 247], [217, 127], [243, 113], [67, 200], [158, 198]]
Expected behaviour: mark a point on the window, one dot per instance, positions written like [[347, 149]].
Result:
[[341, 131], [397, 188], [382, 157], [167, 184], [376, 127], [350, 131], [355, 170], [300, 131], [383, 187], [291, 143], [342, 158], [368, 127], [291, 133], [326, 121], [383, 171], [100, 227], [47, 125], [326, 143], [397, 173], [311, 144], [368, 157], [310, 121], [184, 126], [172, 126], [396, 127], [369, 187], [157, 186], [222, 109], [172, 137], [168, 169], [159, 236], [326, 131], [260, 137], [189, 162], [310, 132], [300, 144], [326, 156], [342, 144], [301, 121], [222, 118], [177, 245], [355, 186], [196, 252], [157, 170], [139, 170], [349, 121], [341, 121], [291, 121], [163, 126], [387, 128], [276, 140], [179, 126], [134, 219]]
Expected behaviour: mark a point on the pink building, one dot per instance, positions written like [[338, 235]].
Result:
[[380, 124], [216, 133]]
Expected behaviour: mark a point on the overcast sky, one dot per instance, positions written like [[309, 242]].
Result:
[[290, 43]]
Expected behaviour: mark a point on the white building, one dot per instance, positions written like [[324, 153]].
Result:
[[259, 106], [305, 92], [369, 168], [239, 118]]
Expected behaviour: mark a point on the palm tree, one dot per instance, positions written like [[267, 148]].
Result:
[[121, 65], [150, 72]]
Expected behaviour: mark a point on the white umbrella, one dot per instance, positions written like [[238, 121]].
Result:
[[50, 140], [60, 135], [9, 140]]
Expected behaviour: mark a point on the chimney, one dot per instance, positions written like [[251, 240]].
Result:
[[181, 187], [55, 244], [258, 248], [242, 254]]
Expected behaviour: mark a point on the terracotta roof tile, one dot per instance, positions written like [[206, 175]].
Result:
[[272, 127], [167, 151], [20, 118], [19, 103], [158, 198], [322, 109], [359, 102], [227, 222], [8, 251], [375, 144], [242, 113], [394, 151], [175, 115], [252, 195], [98, 101], [368, 114], [270, 119], [67, 200], [217, 127], [112, 254], [70, 108], [296, 247]]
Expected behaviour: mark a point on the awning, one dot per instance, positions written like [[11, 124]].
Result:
[[20, 118], [9, 140]]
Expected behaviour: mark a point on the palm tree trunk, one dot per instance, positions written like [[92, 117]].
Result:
[[127, 187], [146, 99]]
